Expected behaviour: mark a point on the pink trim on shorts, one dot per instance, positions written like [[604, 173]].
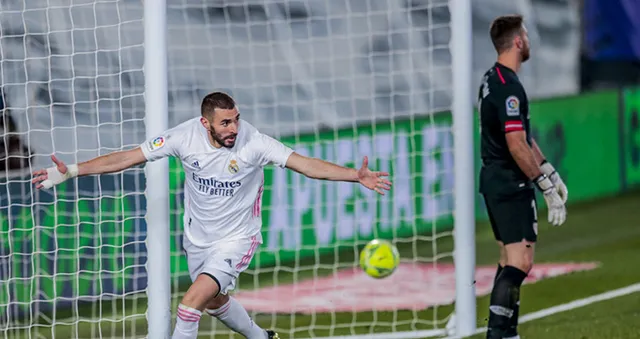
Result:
[[247, 257]]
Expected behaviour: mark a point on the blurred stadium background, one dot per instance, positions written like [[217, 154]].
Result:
[[326, 77]]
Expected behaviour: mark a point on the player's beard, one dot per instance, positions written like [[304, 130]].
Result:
[[525, 53], [223, 140]]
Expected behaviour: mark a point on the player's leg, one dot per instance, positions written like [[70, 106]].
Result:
[[192, 304], [521, 255], [523, 258], [231, 313], [502, 262], [228, 262], [515, 219], [496, 233]]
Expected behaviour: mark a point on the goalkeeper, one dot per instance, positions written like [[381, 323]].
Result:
[[223, 159], [512, 164]]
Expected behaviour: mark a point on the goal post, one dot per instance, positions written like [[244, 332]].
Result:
[[465, 215], [156, 92]]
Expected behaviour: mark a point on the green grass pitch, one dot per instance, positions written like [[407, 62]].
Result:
[[606, 231]]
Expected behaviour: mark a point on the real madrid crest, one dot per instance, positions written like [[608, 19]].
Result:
[[233, 167]]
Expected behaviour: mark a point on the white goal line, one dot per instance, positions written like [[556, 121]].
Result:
[[523, 319]]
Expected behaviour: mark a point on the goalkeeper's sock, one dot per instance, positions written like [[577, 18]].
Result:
[[504, 298], [236, 318], [187, 323], [512, 331]]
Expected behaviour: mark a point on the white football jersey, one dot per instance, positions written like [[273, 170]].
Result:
[[223, 186]]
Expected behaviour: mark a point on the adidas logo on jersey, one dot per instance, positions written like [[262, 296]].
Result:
[[196, 164]]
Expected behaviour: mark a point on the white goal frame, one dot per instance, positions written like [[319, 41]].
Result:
[[156, 96], [157, 173]]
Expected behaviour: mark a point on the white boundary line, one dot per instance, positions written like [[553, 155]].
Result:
[[393, 335], [523, 319], [571, 305]]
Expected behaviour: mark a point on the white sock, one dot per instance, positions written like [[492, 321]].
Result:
[[236, 318], [187, 323]]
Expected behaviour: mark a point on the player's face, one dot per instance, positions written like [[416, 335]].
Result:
[[223, 127], [525, 50]]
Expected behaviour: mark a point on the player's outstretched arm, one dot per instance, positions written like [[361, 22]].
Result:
[[550, 171], [526, 160], [323, 170], [108, 163]]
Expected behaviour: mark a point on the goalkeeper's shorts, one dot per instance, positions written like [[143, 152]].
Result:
[[513, 217], [223, 262]]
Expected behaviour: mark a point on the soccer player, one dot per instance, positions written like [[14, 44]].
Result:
[[512, 165], [223, 159]]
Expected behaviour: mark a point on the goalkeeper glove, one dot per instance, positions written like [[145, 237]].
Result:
[[557, 210], [551, 172]]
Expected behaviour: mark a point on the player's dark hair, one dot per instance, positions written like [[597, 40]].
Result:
[[216, 100], [504, 29]]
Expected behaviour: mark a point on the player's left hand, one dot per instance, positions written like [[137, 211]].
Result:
[[49, 177], [551, 172], [373, 180]]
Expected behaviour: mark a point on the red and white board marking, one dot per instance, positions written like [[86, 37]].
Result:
[[411, 287]]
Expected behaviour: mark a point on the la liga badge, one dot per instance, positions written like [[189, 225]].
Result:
[[156, 143], [513, 105]]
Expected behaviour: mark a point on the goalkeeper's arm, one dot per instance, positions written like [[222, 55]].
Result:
[[549, 171], [108, 163], [524, 156]]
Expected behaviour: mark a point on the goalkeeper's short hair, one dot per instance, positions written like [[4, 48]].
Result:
[[503, 29]]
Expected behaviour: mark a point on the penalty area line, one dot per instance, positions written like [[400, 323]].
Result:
[[570, 305]]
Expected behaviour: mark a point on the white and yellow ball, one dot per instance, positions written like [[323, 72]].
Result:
[[379, 258]]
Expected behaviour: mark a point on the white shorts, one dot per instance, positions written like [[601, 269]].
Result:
[[223, 262]]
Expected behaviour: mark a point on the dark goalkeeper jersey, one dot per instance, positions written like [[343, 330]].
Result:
[[503, 108]]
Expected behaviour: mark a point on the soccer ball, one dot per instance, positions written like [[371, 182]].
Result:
[[379, 258]]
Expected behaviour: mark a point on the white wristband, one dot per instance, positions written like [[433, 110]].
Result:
[[72, 171]]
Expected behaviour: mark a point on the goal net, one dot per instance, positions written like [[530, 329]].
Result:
[[335, 79]]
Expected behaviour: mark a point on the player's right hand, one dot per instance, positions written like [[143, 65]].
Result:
[[557, 211], [47, 178]]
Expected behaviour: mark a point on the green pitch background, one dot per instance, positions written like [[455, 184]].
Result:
[[604, 230]]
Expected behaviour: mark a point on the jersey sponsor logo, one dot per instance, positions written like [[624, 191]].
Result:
[[156, 143], [513, 105], [233, 167], [216, 187]]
